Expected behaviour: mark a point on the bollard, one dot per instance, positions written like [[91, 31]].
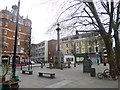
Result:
[[68, 64], [61, 66], [21, 67], [104, 64], [44, 63], [31, 66], [41, 65], [50, 65], [92, 72], [17, 78], [74, 64]]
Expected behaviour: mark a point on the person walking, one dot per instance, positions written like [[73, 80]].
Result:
[[98, 61]]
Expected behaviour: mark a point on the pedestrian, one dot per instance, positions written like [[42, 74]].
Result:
[[90, 61], [98, 61]]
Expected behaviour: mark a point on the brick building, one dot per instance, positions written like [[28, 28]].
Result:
[[51, 49], [7, 35]]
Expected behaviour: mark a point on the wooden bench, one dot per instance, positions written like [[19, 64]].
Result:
[[51, 74], [29, 72]]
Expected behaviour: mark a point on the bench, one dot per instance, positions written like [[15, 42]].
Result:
[[51, 74], [29, 72]]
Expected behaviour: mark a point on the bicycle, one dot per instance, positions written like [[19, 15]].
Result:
[[108, 74]]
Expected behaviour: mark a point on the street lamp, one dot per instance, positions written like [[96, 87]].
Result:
[[29, 49], [15, 43]]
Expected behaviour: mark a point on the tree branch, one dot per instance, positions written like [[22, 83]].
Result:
[[111, 18], [93, 22], [66, 10], [100, 25]]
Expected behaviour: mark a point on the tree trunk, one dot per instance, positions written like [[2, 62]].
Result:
[[117, 49], [110, 52], [106, 36]]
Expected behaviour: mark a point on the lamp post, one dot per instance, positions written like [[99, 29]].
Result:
[[15, 43], [29, 49]]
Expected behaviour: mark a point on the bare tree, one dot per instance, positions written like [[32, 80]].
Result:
[[101, 15]]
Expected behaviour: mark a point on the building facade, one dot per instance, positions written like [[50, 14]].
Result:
[[79, 46], [7, 35], [43, 51], [39, 52], [51, 49]]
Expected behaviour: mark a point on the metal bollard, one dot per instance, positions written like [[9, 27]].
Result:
[[68, 64], [61, 66], [50, 65], [41, 65], [74, 64]]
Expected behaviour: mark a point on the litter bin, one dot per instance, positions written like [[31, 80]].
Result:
[[92, 72], [17, 78]]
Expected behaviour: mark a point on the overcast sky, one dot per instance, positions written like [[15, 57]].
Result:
[[41, 12]]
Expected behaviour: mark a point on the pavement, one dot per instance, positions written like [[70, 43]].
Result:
[[67, 78]]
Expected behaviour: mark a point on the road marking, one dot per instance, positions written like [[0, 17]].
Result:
[[59, 84]]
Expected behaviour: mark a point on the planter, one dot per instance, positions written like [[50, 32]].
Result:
[[10, 86]]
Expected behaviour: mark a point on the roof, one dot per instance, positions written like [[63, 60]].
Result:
[[77, 36]]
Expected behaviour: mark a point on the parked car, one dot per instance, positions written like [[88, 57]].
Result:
[[32, 62]]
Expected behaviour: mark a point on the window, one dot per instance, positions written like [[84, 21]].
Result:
[[1, 15], [5, 32], [77, 43], [96, 49], [83, 50], [18, 41], [96, 42], [14, 19], [66, 45], [5, 39], [89, 50], [89, 43], [6, 23], [5, 48], [18, 35], [0, 39], [71, 44], [82, 43], [67, 52], [72, 51], [22, 49], [18, 49], [61, 47], [77, 50], [20, 20], [0, 23], [19, 28], [0, 45], [0, 30], [7, 16]]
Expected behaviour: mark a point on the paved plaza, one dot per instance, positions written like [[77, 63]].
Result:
[[67, 78]]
